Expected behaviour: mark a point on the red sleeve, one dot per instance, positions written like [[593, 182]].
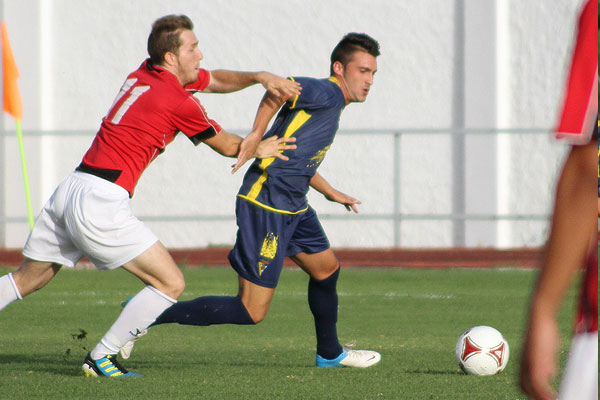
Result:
[[192, 120], [580, 106], [202, 81]]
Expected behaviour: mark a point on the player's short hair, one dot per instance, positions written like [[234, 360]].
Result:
[[164, 36], [351, 43]]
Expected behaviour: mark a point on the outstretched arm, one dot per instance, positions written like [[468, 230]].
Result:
[[573, 225], [223, 81], [267, 108], [228, 145], [322, 186]]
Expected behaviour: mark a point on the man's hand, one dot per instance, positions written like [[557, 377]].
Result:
[[253, 147], [247, 150], [278, 86], [342, 198], [274, 146], [538, 363]]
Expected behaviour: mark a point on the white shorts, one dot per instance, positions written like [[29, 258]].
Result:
[[580, 378], [88, 216]]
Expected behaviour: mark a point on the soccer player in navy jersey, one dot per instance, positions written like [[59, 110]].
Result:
[[274, 218], [89, 213], [573, 240]]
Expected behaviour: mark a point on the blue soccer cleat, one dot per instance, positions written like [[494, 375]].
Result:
[[106, 366], [350, 358]]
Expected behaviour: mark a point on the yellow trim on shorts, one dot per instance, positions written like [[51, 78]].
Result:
[[266, 207]]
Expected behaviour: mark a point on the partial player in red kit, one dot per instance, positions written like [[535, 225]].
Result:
[[130, 137], [573, 240], [89, 213]]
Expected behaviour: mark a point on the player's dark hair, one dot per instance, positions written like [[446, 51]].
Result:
[[351, 43], [164, 36]]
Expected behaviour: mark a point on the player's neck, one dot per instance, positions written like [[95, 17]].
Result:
[[174, 72], [341, 82]]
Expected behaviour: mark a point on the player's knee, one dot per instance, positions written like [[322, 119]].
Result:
[[332, 267], [257, 314], [257, 318], [175, 287], [179, 287], [326, 271]]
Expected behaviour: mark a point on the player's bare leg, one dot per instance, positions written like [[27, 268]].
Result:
[[156, 267], [318, 265], [255, 298], [31, 276], [324, 269]]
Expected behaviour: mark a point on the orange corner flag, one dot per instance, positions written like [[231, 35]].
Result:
[[12, 98]]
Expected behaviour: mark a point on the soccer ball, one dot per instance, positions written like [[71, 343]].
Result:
[[482, 350]]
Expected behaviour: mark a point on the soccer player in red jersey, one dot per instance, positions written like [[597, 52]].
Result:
[[573, 240], [89, 213]]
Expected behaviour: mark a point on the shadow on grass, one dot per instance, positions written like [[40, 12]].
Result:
[[47, 363], [216, 362], [71, 365]]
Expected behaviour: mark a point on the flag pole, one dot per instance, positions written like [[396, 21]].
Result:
[[25, 175], [14, 106]]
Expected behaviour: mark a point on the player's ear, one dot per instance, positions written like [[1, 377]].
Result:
[[338, 68], [170, 58]]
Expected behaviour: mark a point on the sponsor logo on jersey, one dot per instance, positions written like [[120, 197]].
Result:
[[318, 158]]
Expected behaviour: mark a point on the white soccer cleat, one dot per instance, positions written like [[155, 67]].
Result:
[[360, 358], [127, 348], [350, 358]]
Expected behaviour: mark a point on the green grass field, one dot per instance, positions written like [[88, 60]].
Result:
[[412, 317]]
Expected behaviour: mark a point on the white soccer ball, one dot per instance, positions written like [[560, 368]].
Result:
[[482, 350]]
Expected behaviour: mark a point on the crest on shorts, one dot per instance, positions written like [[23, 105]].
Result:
[[269, 246], [267, 252]]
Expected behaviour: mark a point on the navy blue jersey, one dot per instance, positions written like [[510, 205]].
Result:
[[313, 119]]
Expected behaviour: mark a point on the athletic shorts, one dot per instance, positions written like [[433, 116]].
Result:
[[580, 378], [88, 216], [265, 238]]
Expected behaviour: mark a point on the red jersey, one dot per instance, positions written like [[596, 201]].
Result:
[[577, 122], [587, 313], [580, 106], [150, 109]]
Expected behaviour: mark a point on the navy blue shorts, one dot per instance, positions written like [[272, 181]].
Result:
[[265, 238]]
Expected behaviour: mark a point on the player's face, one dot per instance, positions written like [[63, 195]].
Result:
[[188, 58], [358, 76]]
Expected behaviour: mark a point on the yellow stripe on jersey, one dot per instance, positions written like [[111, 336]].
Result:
[[299, 120], [257, 187]]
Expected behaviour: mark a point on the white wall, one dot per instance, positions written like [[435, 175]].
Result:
[[74, 54]]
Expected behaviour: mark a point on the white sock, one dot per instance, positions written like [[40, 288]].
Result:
[[9, 291], [138, 314]]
